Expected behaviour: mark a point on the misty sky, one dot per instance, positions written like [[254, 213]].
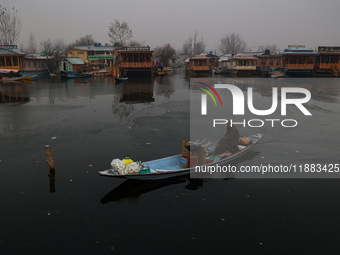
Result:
[[260, 22]]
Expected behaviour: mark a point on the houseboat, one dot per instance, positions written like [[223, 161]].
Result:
[[299, 61], [73, 68], [96, 55], [328, 62], [37, 64], [198, 65], [223, 64], [269, 64], [243, 64], [11, 59], [135, 60]]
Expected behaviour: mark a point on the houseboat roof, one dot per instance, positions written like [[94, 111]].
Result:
[[4, 51], [95, 48], [75, 61], [329, 49], [38, 56], [224, 58], [248, 55], [275, 55], [200, 56], [300, 51], [135, 49]]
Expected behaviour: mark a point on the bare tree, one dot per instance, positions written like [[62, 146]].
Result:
[[164, 53], [232, 44], [193, 46], [198, 45], [86, 40], [32, 44], [134, 43], [272, 48], [187, 46], [10, 26], [58, 46], [119, 32], [47, 47], [70, 46]]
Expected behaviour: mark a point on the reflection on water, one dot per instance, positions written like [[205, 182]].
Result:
[[130, 93], [13, 93], [130, 190]]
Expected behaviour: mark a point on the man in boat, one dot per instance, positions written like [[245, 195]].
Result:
[[229, 141]]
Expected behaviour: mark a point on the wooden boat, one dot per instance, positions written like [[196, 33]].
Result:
[[121, 79], [160, 71], [170, 167], [169, 71], [13, 79], [73, 75]]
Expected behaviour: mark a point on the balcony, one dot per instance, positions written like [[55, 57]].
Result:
[[200, 68], [136, 65]]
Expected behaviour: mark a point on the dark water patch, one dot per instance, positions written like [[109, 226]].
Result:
[[88, 123]]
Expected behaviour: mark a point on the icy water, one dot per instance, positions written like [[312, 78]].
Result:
[[89, 122]]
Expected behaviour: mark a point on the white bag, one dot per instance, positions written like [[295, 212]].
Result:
[[118, 165], [132, 168]]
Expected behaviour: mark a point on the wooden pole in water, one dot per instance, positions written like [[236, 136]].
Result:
[[49, 158]]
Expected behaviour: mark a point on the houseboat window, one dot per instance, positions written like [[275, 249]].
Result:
[[263, 63], [271, 63], [278, 62], [9, 61], [15, 61], [325, 59], [2, 61], [334, 59], [310, 60]]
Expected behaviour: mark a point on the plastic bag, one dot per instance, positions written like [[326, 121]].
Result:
[[118, 165], [132, 168], [127, 160]]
